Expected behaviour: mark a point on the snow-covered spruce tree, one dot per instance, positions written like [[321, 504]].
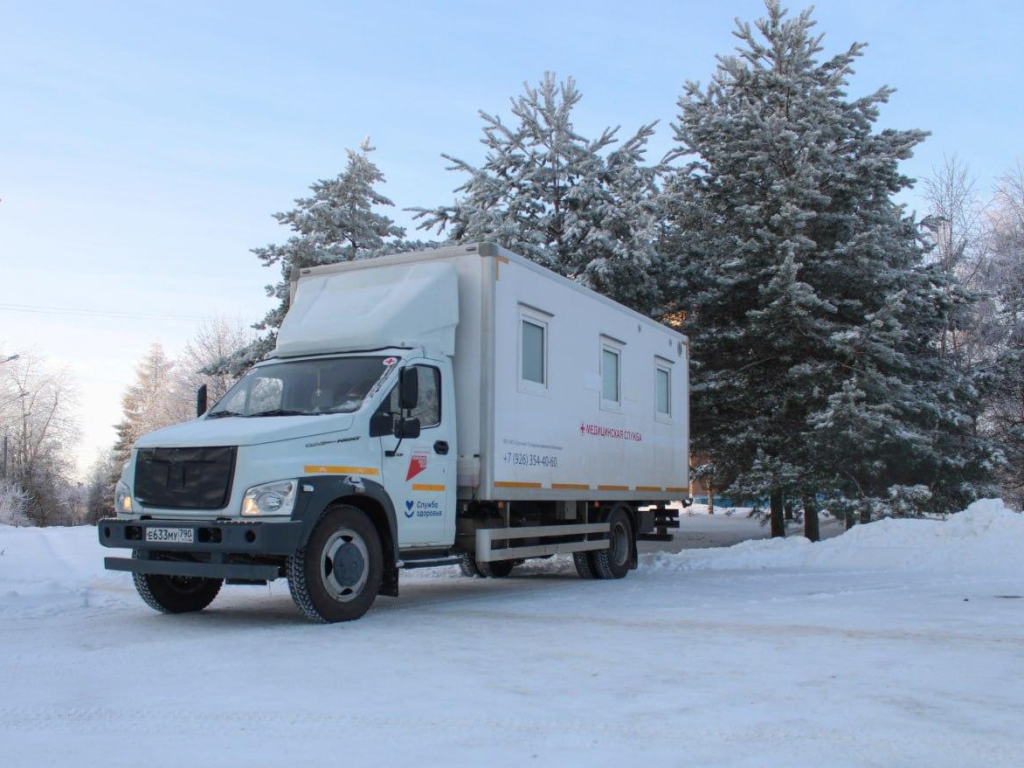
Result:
[[338, 222], [586, 208], [812, 319], [148, 404]]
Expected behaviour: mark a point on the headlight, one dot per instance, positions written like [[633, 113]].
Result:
[[270, 499], [122, 498]]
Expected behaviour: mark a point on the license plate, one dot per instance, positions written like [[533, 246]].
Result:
[[171, 535]]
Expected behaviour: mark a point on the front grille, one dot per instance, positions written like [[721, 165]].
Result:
[[184, 478]]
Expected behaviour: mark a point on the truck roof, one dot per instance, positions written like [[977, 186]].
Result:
[[483, 249]]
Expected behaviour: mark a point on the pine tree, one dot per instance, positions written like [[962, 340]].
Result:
[[585, 208], [812, 318], [148, 404], [338, 222]]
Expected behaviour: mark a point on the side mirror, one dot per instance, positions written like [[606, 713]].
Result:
[[407, 428], [408, 389], [201, 401], [382, 424]]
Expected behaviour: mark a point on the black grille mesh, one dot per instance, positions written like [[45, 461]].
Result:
[[184, 478]]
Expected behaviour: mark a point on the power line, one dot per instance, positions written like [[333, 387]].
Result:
[[85, 312]]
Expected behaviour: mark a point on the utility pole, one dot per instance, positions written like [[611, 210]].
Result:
[[5, 456]]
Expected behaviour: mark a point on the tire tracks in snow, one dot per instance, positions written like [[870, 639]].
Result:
[[533, 734], [742, 629]]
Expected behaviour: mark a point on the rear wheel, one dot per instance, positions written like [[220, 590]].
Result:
[[467, 564], [584, 562], [175, 594], [337, 575], [614, 562]]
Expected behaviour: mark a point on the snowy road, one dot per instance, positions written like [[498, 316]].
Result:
[[859, 652]]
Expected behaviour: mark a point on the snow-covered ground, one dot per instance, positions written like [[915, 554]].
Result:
[[896, 644]]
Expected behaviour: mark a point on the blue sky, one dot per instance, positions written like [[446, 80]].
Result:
[[143, 147]]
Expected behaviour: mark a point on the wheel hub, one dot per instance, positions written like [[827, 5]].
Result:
[[347, 565], [343, 566]]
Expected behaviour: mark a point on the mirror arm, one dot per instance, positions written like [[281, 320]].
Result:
[[398, 433], [394, 451]]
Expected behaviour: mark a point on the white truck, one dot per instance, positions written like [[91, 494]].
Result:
[[459, 405]]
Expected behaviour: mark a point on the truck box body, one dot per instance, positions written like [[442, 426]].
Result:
[[561, 393]]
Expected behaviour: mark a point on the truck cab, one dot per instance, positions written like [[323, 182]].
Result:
[[375, 431]]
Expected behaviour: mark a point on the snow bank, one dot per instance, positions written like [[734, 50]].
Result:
[[47, 570], [987, 536]]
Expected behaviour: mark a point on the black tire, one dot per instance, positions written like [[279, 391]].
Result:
[[468, 566], [344, 543], [175, 594], [584, 562], [614, 562], [496, 569]]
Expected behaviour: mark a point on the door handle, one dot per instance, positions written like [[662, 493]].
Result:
[[441, 447]]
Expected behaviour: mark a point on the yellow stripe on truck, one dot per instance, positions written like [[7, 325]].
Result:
[[426, 487], [508, 484], [318, 469]]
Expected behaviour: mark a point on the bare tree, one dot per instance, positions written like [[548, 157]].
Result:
[[1005, 413], [13, 503], [39, 429], [956, 222], [216, 340], [99, 496]]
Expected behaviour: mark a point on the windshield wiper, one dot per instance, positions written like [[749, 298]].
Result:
[[281, 412], [221, 414]]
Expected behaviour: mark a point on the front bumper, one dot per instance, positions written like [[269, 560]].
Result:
[[231, 571], [221, 549]]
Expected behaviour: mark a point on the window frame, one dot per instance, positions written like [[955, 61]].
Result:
[[386, 400], [616, 347], [541, 320], [661, 365]]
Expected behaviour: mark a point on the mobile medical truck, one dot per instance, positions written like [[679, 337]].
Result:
[[458, 405]]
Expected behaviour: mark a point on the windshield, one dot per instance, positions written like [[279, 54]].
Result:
[[304, 387]]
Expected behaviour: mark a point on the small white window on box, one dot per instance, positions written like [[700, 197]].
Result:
[[662, 391], [611, 374], [533, 350]]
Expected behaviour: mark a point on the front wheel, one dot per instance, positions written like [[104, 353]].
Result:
[[175, 594], [337, 575]]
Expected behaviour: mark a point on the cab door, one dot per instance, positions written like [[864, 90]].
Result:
[[419, 474]]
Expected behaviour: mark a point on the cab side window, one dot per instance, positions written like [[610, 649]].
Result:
[[428, 407]]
